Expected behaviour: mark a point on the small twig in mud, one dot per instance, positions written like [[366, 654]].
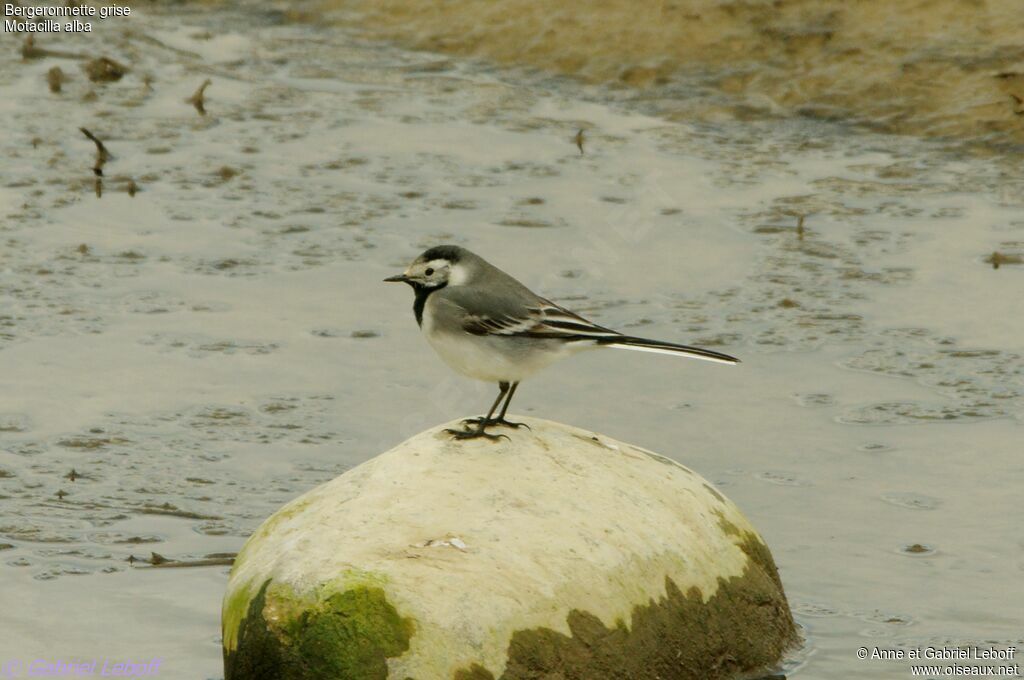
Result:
[[105, 70], [579, 139], [800, 227], [997, 258], [197, 100], [213, 560], [30, 51], [1019, 108], [102, 155], [55, 78]]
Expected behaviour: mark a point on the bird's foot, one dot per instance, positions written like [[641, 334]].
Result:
[[494, 421], [473, 434]]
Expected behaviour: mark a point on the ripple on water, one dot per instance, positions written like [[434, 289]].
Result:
[[911, 500], [14, 422], [200, 346], [979, 383], [815, 399], [814, 610], [781, 478]]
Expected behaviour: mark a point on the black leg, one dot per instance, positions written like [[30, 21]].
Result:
[[500, 420], [508, 400], [482, 422], [501, 416]]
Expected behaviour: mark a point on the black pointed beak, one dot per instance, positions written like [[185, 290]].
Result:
[[397, 277]]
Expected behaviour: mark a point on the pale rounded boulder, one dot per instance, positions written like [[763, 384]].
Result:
[[557, 553]]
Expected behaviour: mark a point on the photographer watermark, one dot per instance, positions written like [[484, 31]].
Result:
[[947, 662], [78, 667]]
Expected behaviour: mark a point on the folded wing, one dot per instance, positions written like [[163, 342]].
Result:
[[547, 320]]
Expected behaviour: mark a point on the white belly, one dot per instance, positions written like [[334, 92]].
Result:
[[493, 358]]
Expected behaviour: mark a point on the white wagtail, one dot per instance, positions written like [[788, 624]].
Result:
[[488, 326]]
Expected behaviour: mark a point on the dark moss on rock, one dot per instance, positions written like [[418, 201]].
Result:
[[745, 627], [258, 653], [349, 635], [474, 672]]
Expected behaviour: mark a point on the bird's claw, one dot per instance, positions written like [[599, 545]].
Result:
[[473, 434], [494, 421]]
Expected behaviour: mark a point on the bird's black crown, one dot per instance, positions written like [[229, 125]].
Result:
[[451, 253]]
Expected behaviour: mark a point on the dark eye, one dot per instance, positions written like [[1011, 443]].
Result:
[[430, 271]]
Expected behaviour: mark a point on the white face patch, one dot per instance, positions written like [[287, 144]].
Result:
[[458, 275], [434, 272]]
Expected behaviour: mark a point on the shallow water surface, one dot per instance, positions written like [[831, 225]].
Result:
[[177, 364]]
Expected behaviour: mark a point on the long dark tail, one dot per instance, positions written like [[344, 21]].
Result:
[[659, 347]]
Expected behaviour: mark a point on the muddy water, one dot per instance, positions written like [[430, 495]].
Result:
[[220, 342]]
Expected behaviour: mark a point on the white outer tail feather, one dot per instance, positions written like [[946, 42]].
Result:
[[671, 350]]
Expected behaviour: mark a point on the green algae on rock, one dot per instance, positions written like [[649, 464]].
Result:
[[558, 553], [348, 634]]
